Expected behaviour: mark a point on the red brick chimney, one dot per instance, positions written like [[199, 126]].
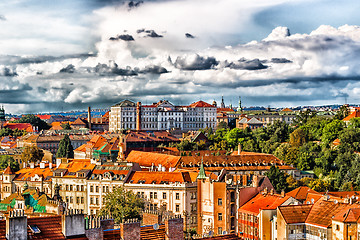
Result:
[[174, 229], [130, 230], [138, 116]]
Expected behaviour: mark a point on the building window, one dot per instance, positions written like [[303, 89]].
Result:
[[82, 188], [151, 195], [82, 200], [77, 200], [155, 195], [71, 187], [220, 216], [97, 200], [97, 188], [164, 195], [91, 200], [337, 227], [91, 188], [177, 196], [177, 207], [219, 230], [71, 199], [220, 201]]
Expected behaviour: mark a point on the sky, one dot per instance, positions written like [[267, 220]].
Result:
[[70, 54]]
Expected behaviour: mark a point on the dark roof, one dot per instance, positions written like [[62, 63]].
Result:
[[125, 103], [295, 213]]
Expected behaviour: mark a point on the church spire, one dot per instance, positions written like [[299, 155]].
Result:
[[201, 174], [239, 109], [222, 102]]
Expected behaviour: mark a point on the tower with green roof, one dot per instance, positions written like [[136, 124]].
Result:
[[201, 175]]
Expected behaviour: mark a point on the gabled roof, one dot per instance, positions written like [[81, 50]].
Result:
[[8, 171], [78, 121], [75, 166], [300, 193], [295, 213], [125, 103], [147, 159], [44, 117], [352, 115], [219, 110], [201, 104], [322, 212], [286, 110], [263, 202]]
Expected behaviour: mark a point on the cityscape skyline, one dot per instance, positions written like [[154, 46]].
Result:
[[79, 53]]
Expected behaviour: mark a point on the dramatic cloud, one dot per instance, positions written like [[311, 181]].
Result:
[[151, 60], [195, 62]]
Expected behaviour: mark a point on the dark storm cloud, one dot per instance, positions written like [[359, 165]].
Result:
[[124, 37], [68, 69], [153, 34], [13, 60], [188, 35], [7, 72], [104, 70], [195, 62], [245, 64], [153, 69], [280, 60]]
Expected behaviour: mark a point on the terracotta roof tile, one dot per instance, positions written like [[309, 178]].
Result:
[[8, 170], [348, 215], [323, 211], [21, 126], [159, 177], [263, 202], [352, 115], [201, 104], [300, 193], [26, 174], [147, 159], [295, 213]]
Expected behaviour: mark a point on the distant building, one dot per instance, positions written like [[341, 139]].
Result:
[[161, 116]]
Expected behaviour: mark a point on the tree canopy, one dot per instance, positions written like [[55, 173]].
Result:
[[33, 120], [5, 160], [122, 205], [65, 149], [32, 154]]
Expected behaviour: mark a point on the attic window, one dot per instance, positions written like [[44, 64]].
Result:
[[34, 229], [153, 182]]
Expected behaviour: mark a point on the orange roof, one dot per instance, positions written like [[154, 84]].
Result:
[[219, 110], [106, 115], [147, 159], [336, 142], [156, 136], [344, 194], [8, 171], [76, 165], [159, 177], [44, 117], [26, 174], [323, 211], [78, 121], [286, 110], [352, 115], [21, 126], [263, 202], [300, 193], [295, 213], [349, 214], [201, 104]]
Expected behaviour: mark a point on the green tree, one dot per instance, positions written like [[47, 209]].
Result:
[[66, 126], [277, 178], [65, 149], [6, 132], [332, 130], [342, 113], [32, 154], [122, 205], [222, 125], [5, 160], [33, 120], [314, 127], [185, 145], [297, 138], [282, 150], [303, 117]]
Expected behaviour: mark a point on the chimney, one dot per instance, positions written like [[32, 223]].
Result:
[[73, 223], [42, 165], [272, 191], [89, 117], [32, 164], [255, 181], [174, 229], [283, 193], [130, 230], [138, 116], [265, 191], [50, 165], [239, 149], [16, 225]]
